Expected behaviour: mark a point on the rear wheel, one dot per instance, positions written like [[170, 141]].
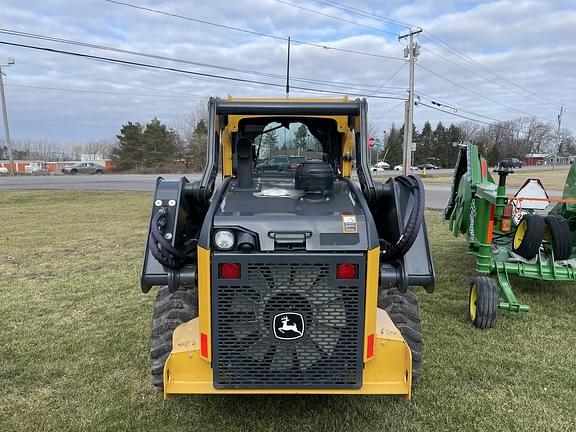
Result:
[[558, 233], [483, 302], [73, 171], [170, 310], [403, 311], [528, 236]]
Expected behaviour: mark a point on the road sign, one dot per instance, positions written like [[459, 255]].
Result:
[[371, 142]]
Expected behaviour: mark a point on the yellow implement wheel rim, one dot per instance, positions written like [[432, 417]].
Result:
[[519, 234], [472, 302]]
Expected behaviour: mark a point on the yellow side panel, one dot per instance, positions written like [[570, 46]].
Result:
[[347, 154], [226, 142], [390, 372], [372, 274], [204, 296]]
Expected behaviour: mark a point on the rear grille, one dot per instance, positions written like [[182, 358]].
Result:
[[288, 323]]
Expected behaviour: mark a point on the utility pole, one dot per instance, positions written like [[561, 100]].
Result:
[[557, 137], [288, 70], [5, 115], [410, 53]]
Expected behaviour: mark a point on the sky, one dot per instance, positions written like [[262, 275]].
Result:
[[484, 60]]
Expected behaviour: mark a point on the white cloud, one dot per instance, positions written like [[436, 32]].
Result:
[[528, 42]]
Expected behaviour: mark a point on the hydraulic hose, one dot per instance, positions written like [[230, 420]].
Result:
[[414, 222], [160, 247]]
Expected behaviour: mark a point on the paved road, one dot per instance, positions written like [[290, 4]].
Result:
[[436, 195]]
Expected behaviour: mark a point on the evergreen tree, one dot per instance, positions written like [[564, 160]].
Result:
[[301, 137], [147, 146], [130, 150], [160, 143], [269, 145]]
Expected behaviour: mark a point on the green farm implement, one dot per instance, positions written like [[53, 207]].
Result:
[[509, 235]]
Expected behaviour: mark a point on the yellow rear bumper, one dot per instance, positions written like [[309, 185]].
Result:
[[388, 372]]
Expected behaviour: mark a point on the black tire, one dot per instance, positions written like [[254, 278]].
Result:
[[404, 313], [483, 301], [73, 171], [528, 236], [170, 310], [560, 236], [99, 172]]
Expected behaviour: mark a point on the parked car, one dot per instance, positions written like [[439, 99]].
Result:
[[400, 167], [375, 168], [83, 168], [428, 166], [3, 170], [280, 164], [512, 162], [383, 164]]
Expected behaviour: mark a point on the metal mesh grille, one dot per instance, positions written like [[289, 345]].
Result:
[[324, 322]]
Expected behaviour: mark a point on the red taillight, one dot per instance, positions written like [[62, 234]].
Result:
[[370, 346], [203, 344], [229, 271], [292, 165], [346, 271]]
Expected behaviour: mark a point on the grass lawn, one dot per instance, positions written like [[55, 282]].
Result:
[[75, 327]]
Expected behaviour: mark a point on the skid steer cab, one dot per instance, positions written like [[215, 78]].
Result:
[[285, 275]]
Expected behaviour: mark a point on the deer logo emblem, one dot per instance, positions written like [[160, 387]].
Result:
[[288, 326]]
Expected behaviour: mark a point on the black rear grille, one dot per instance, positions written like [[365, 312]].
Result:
[[281, 294]]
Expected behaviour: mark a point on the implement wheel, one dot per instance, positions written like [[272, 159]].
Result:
[[170, 310], [483, 302], [403, 311], [528, 236], [559, 234]]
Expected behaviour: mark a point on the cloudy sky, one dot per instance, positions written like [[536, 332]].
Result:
[[486, 60]]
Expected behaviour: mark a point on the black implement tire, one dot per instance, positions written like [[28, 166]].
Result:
[[170, 310], [528, 236], [483, 301], [404, 313], [560, 236]]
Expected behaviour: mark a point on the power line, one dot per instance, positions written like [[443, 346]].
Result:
[[457, 115], [473, 91], [103, 92], [317, 12], [366, 14], [451, 49], [193, 73], [100, 79], [255, 33], [346, 86], [390, 78]]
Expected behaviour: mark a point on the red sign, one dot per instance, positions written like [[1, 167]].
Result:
[[371, 142]]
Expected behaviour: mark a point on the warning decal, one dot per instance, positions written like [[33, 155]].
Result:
[[349, 224]]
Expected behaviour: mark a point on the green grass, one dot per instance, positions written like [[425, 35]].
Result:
[[75, 326]]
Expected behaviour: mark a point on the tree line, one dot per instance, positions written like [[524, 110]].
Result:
[[514, 138], [156, 146]]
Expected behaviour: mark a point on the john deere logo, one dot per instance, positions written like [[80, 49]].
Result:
[[288, 326]]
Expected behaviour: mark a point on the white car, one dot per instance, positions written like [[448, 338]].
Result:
[[400, 167], [383, 164], [3, 170], [376, 168]]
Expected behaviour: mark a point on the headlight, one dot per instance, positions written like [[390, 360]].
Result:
[[224, 239]]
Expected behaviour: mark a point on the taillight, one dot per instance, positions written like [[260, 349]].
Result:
[[370, 346], [346, 271], [229, 271], [292, 165]]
